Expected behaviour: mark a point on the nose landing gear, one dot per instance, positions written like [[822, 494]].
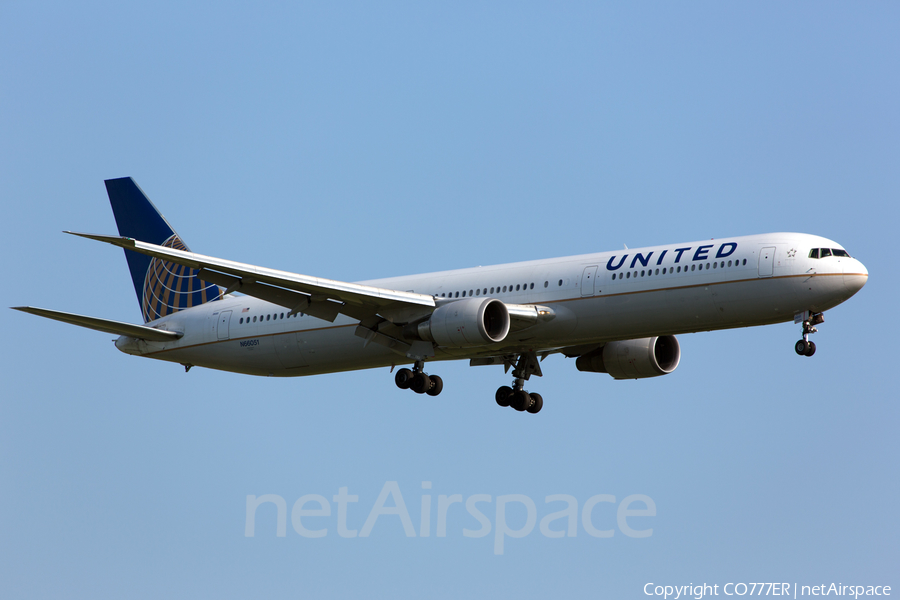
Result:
[[805, 347]]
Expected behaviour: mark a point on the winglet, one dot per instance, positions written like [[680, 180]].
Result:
[[115, 240]]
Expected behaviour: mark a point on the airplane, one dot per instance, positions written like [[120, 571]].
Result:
[[614, 312]]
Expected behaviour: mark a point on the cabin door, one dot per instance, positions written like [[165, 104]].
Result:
[[224, 324], [587, 280], [766, 261]]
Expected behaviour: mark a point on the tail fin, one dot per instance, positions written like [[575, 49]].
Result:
[[162, 287]]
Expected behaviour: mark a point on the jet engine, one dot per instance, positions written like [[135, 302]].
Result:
[[464, 323], [633, 359]]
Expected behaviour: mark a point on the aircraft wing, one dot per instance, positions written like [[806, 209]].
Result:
[[117, 327], [321, 298]]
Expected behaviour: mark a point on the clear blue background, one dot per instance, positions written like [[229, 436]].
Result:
[[363, 140]]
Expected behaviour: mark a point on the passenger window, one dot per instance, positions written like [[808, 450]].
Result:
[[664, 270], [492, 290], [531, 286], [693, 267], [679, 269], [614, 276], [699, 267], [478, 292], [628, 275], [546, 283], [560, 283], [707, 266], [745, 262]]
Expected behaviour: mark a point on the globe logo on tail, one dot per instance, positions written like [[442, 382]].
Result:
[[169, 288]]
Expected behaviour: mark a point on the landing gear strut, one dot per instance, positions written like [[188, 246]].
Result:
[[805, 347], [417, 381], [516, 396]]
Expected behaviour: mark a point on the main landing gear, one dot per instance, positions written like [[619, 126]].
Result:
[[417, 381], [516, 396], [805, 347]]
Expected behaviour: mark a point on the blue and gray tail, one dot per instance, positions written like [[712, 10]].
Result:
[[162, 287]]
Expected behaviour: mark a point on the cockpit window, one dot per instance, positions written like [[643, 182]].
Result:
[[826, 252]]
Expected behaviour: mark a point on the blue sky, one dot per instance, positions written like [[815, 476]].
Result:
[[357, 141]]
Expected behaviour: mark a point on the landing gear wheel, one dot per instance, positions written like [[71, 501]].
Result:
[[403, 378], [812, 349], [536, 404], [520, 400], [802, 348], [503, 395], [420, 383], [437, 384]]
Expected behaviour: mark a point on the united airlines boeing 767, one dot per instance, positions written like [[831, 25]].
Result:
[[615, 312]]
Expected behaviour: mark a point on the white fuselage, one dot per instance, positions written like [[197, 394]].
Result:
[[596, 298]]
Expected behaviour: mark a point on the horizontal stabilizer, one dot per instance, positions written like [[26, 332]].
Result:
[[116, 327]]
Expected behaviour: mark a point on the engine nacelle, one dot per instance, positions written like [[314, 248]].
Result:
[[465, 323], [633, 359]]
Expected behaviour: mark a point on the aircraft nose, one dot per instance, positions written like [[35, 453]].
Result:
[[855, 276]]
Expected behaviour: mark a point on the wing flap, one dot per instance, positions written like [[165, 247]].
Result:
[[295, 301], [105, 325]]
